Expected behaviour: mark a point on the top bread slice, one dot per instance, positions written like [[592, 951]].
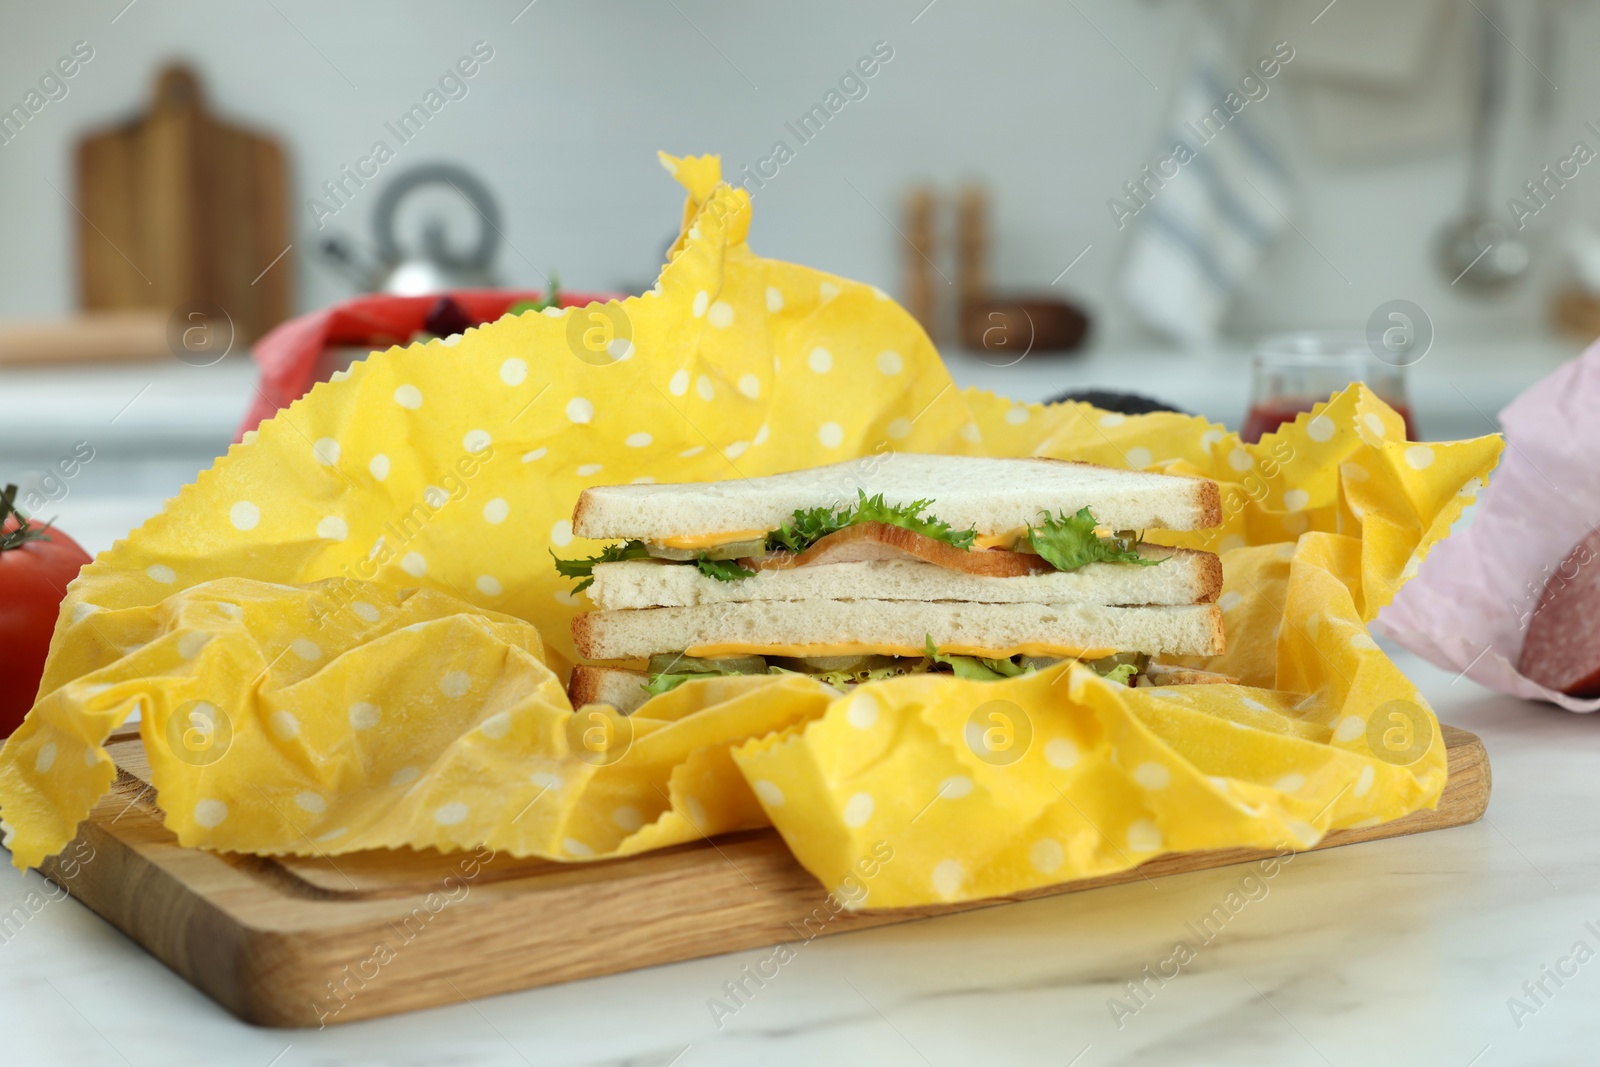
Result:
[[992, 496]]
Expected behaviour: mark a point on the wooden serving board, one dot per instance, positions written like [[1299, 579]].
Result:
[[305, 942]]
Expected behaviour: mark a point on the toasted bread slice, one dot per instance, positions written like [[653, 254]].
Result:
[[992, 496]]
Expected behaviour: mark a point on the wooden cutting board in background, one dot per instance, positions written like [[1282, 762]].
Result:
[[176, 206]]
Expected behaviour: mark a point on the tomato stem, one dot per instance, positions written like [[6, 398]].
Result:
[[25, 531]]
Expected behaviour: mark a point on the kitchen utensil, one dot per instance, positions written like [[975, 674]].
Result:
[[919, 297], [176, 208], [1292, 373], [436, 266], [972, 248], [291, 941], [1475, 250]]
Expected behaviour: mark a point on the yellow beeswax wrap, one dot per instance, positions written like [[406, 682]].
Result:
[[348, 633]]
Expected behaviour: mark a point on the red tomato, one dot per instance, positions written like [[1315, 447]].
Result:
[[35, 566]]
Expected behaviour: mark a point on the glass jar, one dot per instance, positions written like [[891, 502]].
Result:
[[1294, 372]]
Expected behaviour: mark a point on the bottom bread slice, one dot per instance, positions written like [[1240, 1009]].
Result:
[[897, 628], [621, 688]]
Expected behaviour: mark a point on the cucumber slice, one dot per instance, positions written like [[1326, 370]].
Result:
[[1127, 540], [678, 663], [752, 549], [830, 664], [678, 555]]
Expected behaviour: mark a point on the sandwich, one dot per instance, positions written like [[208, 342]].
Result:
[[892, 565]]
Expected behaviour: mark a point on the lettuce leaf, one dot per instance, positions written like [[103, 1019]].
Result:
[[668, 681], [1008, 668], [1067, 543], [810, 525], [551, 298], [971, 668], [975, 668], [1122, 673], [723, 570], [584, 568], [981, 669]]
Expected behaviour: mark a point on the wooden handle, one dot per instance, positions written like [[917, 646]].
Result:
[[920, 301], [177, 90], [972, 246]]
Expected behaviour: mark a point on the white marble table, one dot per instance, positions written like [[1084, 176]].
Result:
[[1403, 951]]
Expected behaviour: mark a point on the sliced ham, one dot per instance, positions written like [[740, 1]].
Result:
[[1562, 648], [878, 540]]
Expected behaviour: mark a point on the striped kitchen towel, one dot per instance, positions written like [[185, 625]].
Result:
[[1206, 210]]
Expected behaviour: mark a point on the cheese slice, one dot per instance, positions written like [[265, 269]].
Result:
[[1007, 540], [861, 648], [692, 542]]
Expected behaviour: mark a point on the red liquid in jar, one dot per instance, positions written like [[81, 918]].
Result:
[[1266, 418]]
